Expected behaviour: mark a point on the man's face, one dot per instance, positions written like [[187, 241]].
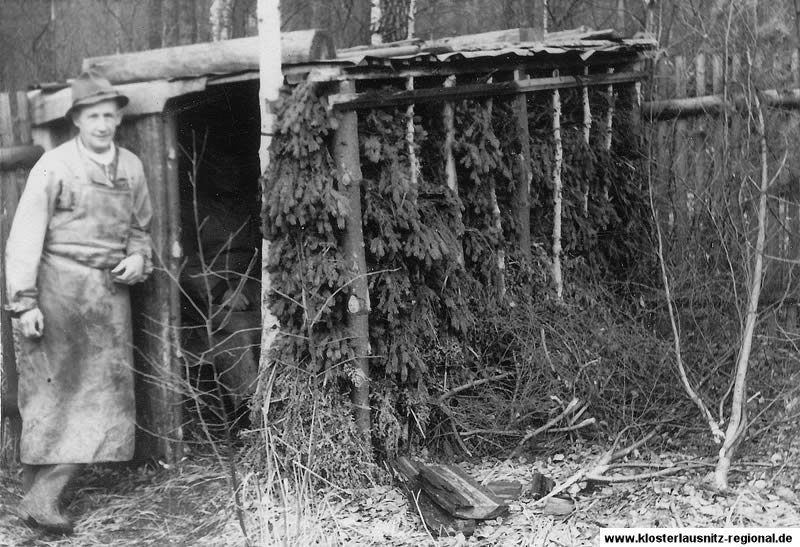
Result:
[[97, 124]]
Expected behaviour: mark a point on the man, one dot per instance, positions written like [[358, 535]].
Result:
[[79, 238]]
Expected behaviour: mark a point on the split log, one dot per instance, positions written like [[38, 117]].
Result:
[[19, 157], [459, 494], [227, 56], [506, 491], [436, 520]]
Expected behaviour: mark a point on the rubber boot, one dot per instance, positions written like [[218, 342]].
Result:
[[40, 506]]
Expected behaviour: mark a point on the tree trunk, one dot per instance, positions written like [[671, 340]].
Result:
[[270, 83], [221, 20], [348, 165], [394, 20], [737, 425], [376, 38], [155, 38], [558, 281]]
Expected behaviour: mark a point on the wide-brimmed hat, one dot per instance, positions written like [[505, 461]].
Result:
[[91, 88]]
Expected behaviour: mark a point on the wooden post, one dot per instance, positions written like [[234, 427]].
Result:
[[609, 139], [498, 223], [610, 113], [524, 175], [270, 83], [448, 120], [412, 152], [348, 167], [587, 132], [558, 280]]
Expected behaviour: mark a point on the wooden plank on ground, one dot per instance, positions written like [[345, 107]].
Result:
[[459, 494], [436, 520]]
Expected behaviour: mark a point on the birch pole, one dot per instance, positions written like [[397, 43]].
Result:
[[587, 132], [609, 124], [498, 223], [412, 152], [270, 82], [448, 120], [558, 280]]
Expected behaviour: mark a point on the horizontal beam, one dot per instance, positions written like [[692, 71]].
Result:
[[223, 57], [370, 99], [145, 98], [712, 104], [334, 72], [19, 157]]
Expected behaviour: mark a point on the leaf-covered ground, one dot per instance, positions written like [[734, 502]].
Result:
[[191, 504]]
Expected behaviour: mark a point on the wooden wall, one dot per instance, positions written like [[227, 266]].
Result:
[[155, 302], [14, 132]]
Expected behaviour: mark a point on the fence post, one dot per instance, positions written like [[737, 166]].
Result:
[[348, 167]]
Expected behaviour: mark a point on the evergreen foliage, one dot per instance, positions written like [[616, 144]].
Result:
[[432, 253]]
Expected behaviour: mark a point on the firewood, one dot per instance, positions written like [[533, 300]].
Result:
[[459, 494], [506, 491], [436, 520]]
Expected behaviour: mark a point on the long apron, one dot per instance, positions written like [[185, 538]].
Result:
[[76, 392]]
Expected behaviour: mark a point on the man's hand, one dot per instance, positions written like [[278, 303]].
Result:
[[130, 270], [235, 301], [31, 323]]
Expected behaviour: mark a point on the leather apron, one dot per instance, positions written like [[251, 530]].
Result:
[[76, 391]]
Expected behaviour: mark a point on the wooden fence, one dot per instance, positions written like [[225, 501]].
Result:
[[691, 127], [17, 156]]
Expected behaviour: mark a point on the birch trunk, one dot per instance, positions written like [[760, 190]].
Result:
[[737, 425], [587, 132], [221, 19], [270, 82], [497, 220], [559, 159], [375, 23]]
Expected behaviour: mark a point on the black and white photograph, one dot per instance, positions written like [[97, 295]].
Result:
[[399, 273]]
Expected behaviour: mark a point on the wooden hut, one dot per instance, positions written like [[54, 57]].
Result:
[[176, 92]]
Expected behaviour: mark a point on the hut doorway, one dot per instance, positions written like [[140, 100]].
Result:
[[218, 137]]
